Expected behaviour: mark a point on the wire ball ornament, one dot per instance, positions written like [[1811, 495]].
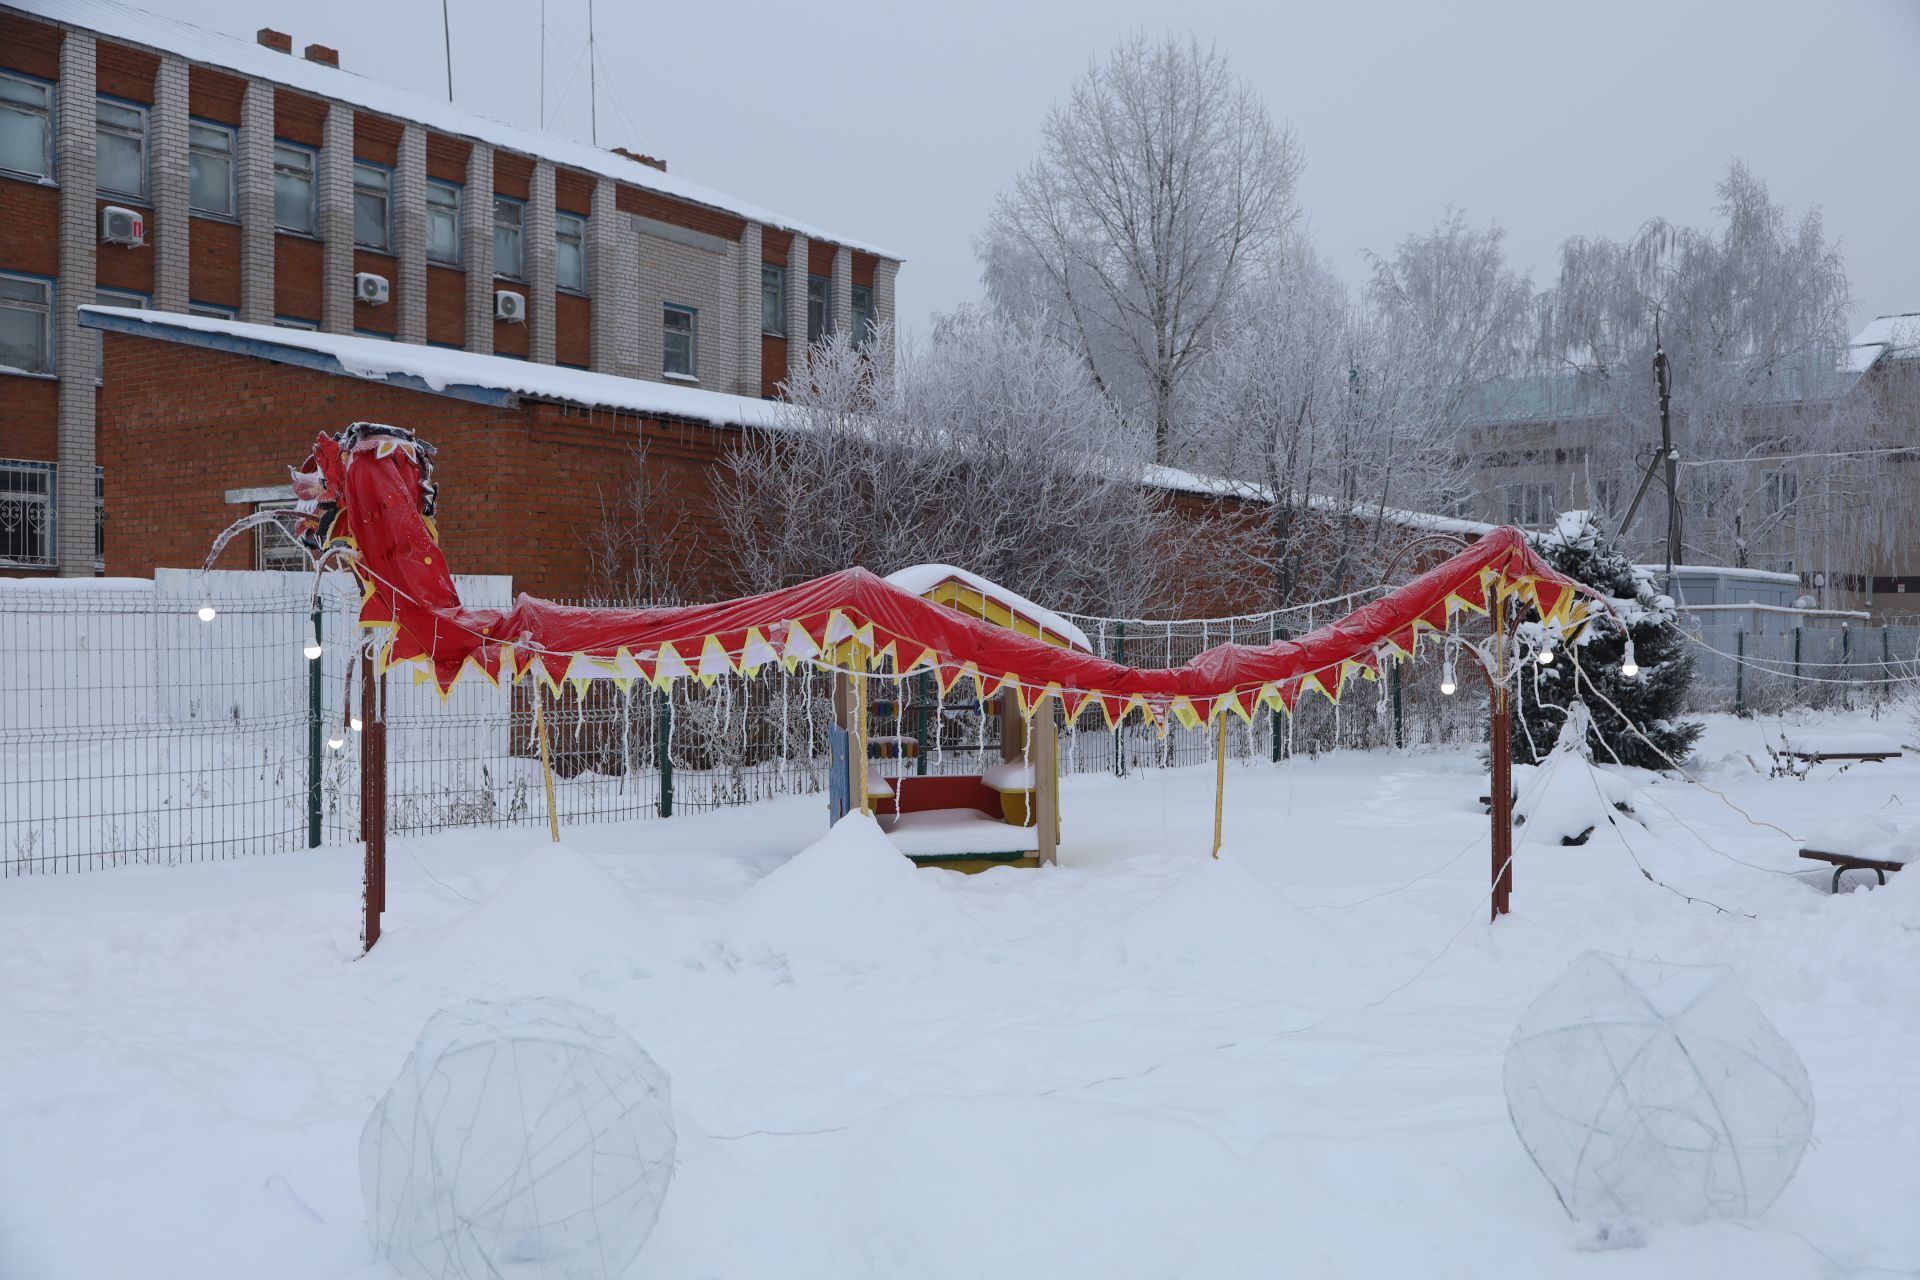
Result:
[[523, 1138], [1645, 1090]]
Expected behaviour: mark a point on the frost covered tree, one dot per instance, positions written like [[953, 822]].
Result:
[[1752, 315], [980, 447], [1161, 187], [1650, 700]]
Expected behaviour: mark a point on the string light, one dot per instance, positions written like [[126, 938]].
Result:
[[1628, 667], [1447, 686], [354, 724], [336, 739], [1546, 655], [207, 611], [312, 650]]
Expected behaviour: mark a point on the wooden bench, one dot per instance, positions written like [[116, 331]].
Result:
[[1820, 757], [1845, 862]]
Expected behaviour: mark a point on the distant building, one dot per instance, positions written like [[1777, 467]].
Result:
[[148, 163]]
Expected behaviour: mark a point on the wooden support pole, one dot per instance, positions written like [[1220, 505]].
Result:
[[546, 755], [857, 744], [1044, 748], [1219, 775], [1501, 794]]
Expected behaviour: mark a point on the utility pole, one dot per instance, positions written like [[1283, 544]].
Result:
[[1663, 382]]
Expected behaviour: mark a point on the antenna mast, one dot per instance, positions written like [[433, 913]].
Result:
[[446, 34], [593, 84], [543, 64]]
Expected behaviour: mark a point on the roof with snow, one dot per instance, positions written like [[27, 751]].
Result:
[[984, 598], [196, 43], [499, 380], [1896, 337]]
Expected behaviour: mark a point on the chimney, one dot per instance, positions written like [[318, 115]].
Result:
[[278, 41], [652, 162], [323, 55]]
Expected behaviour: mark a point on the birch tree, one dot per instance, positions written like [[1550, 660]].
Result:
[[1161, 185]]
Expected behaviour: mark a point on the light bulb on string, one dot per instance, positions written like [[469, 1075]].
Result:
[[1447, 686], [355, 724], [1546, 655], [207, 611], [312, 650], [336, 739], [1628, 667]]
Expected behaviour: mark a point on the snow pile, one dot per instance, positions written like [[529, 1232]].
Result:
[[526, 1138], [849, 900], [1883, 839], [1566, 796], [1650, 1090], [1218, 911], [556, 916]]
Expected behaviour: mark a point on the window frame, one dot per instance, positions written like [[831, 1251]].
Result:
[[212, 310], [25, 499], [386, 201], [232, 212], [51, 292], [261, 556], [561, 218], [144, 111], [824, 295], [775, 272], [313, 187], [49, 93], [519, 225], [459, 191], [691, 373], [299, 323], [866, 320]]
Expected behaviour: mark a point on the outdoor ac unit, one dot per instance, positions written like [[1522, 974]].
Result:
[[370, 288], [123, 226], [509, 306]]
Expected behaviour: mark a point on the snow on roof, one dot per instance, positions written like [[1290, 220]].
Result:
[[919, 579], [494, 378], [200, 44], [1895, 336]]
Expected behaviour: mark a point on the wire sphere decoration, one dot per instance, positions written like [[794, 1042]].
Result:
[[1652, 1091], [527, 1138]]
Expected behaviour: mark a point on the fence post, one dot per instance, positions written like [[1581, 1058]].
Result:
[[1796, 653], [1275, 634], [1740, 672], [1886, 663], [664, 732], [1846, 661], [1399, 715], [1119, 736], [923, 694], [313, 745]]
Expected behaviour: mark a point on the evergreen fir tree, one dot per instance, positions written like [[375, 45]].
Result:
[[1650, 700]]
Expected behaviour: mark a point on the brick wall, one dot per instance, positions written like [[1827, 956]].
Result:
[[693, 269]]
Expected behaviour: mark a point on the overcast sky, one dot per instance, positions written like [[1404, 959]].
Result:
[[896, 124]]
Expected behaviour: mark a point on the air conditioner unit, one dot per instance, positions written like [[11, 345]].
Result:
[[509, 306], [370, 288], [123, 226]]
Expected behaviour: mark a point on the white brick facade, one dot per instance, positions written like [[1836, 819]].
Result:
[[613, 327], [254, 184], [690, 269], [335, 200], [538, 229], [476, 234], [410, 235], [841, 321], [749, 373], [797, 309], [74, 347], [169, 150]]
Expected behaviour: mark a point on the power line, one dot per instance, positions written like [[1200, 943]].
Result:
[[1797, 457]]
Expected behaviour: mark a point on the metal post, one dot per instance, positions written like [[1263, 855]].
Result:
[[1740, 673], [1796, 653], [373, 803], [1119, 741], [313, 745], [1219, 775], [1663, 381], [1886, 663], [663, 728], [1846, 661], [1279, 633], [1399, 713], [1501, 795], [924, 691]]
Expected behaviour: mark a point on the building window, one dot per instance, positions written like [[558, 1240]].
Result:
[[26, 514], [113, 298], [295, 322], [570, 252], [26, 324], [213, 310], [26, 126], [443, 222], [1780, 491], [210, 169], [1529, 504], [819, 308], [274, 549], [371, 204], [773, 300], [679, 340], [293, 188], [864, 322], [120, 148], [509, 258], [1606, 495]]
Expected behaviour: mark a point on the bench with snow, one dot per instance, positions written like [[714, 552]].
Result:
[[1878, 845], [965, 822], [1817, 745]]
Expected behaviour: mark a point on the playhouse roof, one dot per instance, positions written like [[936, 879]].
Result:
[[980, 597]]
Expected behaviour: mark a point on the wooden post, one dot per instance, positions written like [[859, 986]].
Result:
[[1501, 796], [1044, 747], [373, 803], [546, 755], [858, 742], [1015, 744], [1219, 774]]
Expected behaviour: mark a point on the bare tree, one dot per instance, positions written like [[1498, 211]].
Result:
[[1161, 184]]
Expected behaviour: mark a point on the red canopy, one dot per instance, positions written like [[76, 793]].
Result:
[[372, 493]]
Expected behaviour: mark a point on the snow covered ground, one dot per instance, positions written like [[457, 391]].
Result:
[[1142, 1064]]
